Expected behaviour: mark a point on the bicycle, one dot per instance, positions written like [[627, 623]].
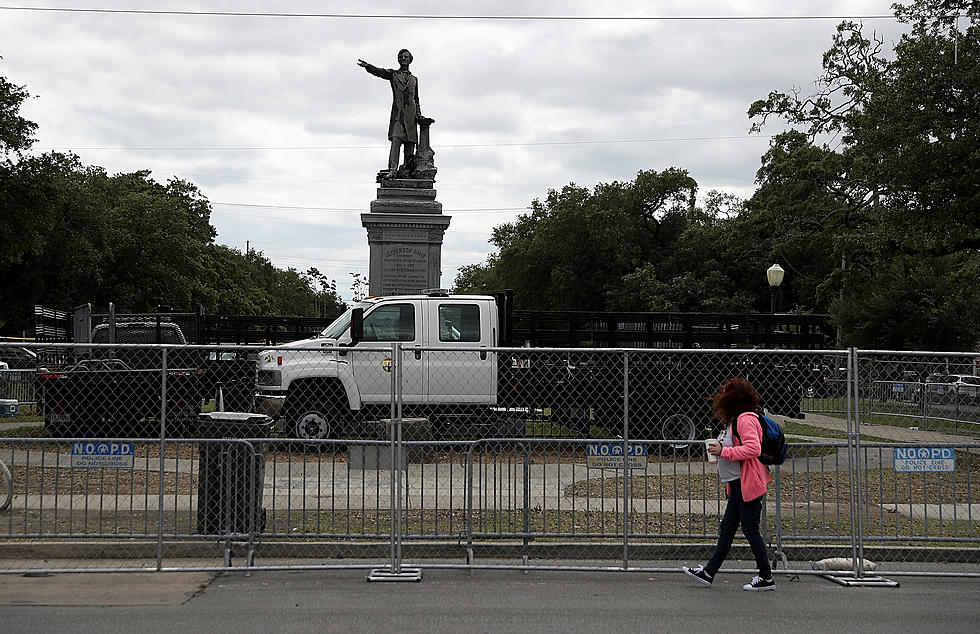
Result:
[[6, 487]]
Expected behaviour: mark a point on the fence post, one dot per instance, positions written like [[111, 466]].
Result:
[[850, 404], [392, 563], [469, 507], [399, 449], [526, 514], [858, 466], [626, 469], [394, 571], [854, 458], [163, 441]]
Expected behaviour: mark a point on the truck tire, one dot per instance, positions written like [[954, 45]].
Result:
[[681, 430], [313, 423], [313, 411]]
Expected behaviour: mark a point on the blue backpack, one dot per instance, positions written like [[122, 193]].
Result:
[[773, 440]]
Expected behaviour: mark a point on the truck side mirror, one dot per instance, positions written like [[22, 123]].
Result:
[[356, 326]]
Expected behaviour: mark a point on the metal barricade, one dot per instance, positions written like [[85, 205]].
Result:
[[474, 457]]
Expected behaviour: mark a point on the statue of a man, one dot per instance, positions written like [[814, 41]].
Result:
[[405, 111]]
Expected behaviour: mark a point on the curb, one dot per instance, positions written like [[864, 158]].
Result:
[[203, 549]]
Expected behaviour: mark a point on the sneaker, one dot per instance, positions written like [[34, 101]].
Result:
[[699, 574], [758, 584]]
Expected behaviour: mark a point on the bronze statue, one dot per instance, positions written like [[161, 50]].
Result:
[[405, 112]]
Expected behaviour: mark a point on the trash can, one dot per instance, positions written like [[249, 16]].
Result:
[[229, 489], [8, 407]]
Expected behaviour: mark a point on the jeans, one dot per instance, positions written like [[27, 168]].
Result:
[[748, 515]]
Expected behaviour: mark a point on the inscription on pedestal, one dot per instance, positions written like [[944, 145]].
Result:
[[400, 234], [404, 269]]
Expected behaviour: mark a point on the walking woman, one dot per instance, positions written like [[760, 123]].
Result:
[[738, 449]]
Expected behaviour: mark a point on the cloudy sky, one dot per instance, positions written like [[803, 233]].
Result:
[[271, 117]]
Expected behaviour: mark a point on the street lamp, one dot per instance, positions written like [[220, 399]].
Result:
[[775, 275]]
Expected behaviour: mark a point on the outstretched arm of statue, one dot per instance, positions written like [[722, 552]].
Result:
[[383, 73]]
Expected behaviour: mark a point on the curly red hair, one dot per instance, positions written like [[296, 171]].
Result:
[[733, 397]]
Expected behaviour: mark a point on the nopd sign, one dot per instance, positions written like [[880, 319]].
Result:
[[612, 456], [106, 455], [925, 459]]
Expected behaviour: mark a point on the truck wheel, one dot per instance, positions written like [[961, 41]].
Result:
[[312, 423], [681, 431]]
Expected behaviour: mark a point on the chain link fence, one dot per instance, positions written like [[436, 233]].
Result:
[[381, 456]]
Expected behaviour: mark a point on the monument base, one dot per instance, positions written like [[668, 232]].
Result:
[[405, 229]]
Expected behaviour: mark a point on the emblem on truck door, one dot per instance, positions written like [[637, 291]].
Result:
[[386, 364]]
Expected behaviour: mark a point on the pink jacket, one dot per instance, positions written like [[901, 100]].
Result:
[[755, 475]]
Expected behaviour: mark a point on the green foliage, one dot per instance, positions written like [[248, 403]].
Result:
[[924, 303], [16, 132], [699, 270], [644, 245], [884, 223], [576, 244], [477, 278], [77, 235], [359, 285], [249, 284]]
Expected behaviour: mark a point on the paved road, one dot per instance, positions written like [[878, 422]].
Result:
[[453, 601]]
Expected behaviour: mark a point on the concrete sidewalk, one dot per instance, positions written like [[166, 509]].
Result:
[[897, 434]]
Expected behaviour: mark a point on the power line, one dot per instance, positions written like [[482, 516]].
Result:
[[361, 209], [442, 184], [457, 17], [266, 148]]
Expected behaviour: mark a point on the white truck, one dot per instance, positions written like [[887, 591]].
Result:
[[466, 368], [449, 373]]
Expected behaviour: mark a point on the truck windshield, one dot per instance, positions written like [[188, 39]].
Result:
[[342, 323]]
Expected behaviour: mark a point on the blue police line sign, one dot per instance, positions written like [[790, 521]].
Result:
[[611, 456], [102, 455], [925, 459]]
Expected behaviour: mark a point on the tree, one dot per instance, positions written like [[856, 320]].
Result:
[[326, 300], [359, 285], [16, 132], [895, 200], [576, 244], [703, 270], [639, 246]]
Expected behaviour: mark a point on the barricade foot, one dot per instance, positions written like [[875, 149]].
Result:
[[873, 582], [405, 574]]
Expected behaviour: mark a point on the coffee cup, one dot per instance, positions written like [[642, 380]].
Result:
[[708, 443]]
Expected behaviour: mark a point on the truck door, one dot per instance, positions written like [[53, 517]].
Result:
[[456, 376], [383, 325]]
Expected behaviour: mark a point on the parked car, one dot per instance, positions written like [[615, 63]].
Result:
[[964, 387]]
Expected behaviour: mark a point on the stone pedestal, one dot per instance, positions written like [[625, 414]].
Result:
[[405, 229]]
